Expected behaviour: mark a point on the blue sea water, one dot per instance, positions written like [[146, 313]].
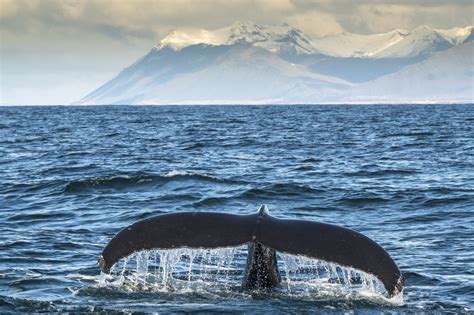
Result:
[[72, 177]]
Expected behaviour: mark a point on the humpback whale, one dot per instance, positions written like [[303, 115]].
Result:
[[264, 235]]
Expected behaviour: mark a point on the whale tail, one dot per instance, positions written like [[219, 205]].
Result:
[[265, 235]]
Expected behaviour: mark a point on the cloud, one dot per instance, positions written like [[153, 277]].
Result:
[[76, 39], [315, 23], [383, 17], [143, 18], [153, 19]]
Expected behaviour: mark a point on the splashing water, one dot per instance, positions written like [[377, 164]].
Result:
[[176, 269], [220, 272], [320, 280]]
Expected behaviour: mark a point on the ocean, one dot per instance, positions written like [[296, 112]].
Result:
[[72, 177]]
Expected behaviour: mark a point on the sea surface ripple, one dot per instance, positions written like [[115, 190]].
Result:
[[72, 177]]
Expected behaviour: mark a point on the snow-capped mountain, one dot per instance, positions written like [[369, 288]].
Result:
[[281, 38], [250, 63], [425, 40], [394, 44], [347, 45], [284, 38], [458, 35]]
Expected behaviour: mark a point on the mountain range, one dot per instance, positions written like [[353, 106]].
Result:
[[247, 63]]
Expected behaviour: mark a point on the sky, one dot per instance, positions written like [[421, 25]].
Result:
[[57, 51]]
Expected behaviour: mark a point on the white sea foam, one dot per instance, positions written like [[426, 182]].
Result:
[[220, 271], [179, 173]]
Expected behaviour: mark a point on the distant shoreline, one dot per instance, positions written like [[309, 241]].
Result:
[[248, 104]]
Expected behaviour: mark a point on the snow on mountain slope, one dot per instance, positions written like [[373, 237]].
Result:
[[425, 40], [179, 39], [240, 73], [280, 38], [355, 45], [457, 35], [395, 44], [446, 75], [286, 39]]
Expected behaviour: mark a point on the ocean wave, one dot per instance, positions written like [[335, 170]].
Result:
[[179, 174], [174, 173], [31, 187], [411, 134], [211, 201], [35, 281], [434, 202], [424, 218], [362, 201], [312, 160], [279, 189], [305, 168], [61, 170], [15, 305], [194, 146], [14, 244], [419, 279], [118, 182], [380, 173], [37, 217], [269, 191]]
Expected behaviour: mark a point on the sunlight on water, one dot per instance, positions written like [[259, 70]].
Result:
[[220, 271]]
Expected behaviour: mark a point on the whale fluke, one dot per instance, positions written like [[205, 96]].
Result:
[[265, 235]]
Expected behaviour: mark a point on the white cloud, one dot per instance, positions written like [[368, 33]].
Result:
[[315, 23], [377, 18], [154, 18], [96, 36]]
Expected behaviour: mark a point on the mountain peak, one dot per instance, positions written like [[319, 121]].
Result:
[[284, 38], [179, 39], [398, 43], [273, 38], [457, 35]]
